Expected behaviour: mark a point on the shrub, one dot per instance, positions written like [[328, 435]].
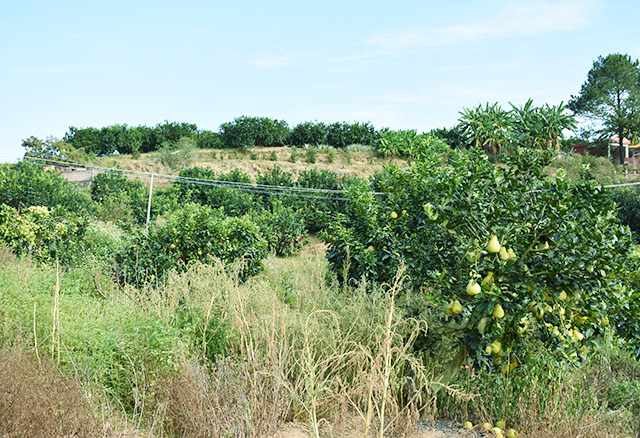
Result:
[[310, 155], [39, 232], [237, 200], [341, 135], [628, 208], [247, 131], [208, 140], [100, 242], [283, 229], [317, 205], [558, 271], [275, 176], [178, 155], [192, 233], [309, 133], [587, 168], [120, 198], [27, 184]]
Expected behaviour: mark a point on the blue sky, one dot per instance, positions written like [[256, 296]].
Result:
[[402, 64]]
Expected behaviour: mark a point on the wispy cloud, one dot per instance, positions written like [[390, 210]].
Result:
[[65, 69], [113, 35], [512, 20], [275, 61], [402, 98]]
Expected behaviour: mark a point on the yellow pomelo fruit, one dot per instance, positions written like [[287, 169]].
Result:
[[501, 424], [503, 253], [496, 347], [531, 306], [488, 349], [487, 427], [467, 425], [577, 335], [511, 433], [473, 288], [538, 312], [493, 246], [512, 255], [562, 296], [488, 279], [447, 309], [482, 324], [580, 319], [394, 215], [498, 312], [456, 307], [605, 321]]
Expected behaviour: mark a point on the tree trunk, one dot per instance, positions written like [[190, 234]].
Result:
[[620, 137]]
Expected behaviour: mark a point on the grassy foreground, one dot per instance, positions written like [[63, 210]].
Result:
[[208, 355]]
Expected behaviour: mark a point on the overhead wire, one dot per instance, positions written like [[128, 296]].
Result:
[[301, 192]]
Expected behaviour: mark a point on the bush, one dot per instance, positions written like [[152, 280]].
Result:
[[120, 198], [237, 200], [283, 229], [309, 133], [39, 232], [546, 398], [628, 201], [192, 233], [26, 184], [341, 135], [247, 131], [587, 168], [559, 270], [208, 140], [177, 155], [99, 244], [317, 205]]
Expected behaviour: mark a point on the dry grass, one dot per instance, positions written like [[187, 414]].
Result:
[[37, 401], [234, 399], [301, 353], [360, 163]]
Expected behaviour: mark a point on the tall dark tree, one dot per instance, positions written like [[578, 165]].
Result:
[[611, 95]]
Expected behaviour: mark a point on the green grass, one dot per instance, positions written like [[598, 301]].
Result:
[[207, 353]]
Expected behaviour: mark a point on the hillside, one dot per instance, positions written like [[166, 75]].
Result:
[[358, 161]]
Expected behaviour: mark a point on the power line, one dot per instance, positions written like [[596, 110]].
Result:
[[621, 185], [301, 192]]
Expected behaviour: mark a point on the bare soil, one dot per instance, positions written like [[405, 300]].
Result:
[[423, 430]]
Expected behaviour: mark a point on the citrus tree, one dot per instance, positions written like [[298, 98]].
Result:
[[192, 233], [505, 252]]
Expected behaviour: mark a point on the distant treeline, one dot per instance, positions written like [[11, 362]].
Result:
[[243, 131]]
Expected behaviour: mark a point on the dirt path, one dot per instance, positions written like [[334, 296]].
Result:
[[426, 430]]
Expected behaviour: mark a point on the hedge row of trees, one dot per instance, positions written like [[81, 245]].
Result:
[[243, 131], [490, 127]]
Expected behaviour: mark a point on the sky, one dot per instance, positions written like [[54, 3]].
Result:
[[401, 64]]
